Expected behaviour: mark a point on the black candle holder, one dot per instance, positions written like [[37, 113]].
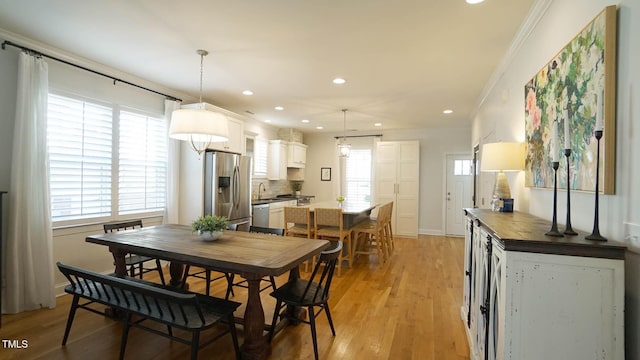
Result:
[[554, 226], [595, 234], [568, 230]]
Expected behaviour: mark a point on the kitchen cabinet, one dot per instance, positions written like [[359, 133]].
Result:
[[297, 155], [529, 296], [277, 160], [276, 213], [397, 180], [236, 129]]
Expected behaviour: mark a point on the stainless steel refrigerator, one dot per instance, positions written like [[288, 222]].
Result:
[[227, 186]]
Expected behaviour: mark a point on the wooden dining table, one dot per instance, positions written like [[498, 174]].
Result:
[[249, 255]]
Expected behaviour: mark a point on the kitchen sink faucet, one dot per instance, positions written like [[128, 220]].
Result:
[[261, 186]]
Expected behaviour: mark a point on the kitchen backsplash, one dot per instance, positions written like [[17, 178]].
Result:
[[273, 187]]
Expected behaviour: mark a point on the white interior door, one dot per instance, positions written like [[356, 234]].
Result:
[[458, 192]]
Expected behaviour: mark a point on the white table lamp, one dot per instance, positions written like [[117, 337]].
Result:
[[500, 157]]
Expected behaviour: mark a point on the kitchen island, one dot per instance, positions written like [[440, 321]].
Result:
[[352, 213]]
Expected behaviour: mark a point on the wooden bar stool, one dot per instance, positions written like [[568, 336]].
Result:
[[370, 237], [329, 225], [301, 226]]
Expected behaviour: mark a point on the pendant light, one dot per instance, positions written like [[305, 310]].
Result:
[[199, 126], [343, 147]]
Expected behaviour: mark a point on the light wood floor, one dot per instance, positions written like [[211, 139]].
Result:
[[409, 309]]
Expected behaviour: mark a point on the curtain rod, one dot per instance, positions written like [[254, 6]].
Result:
[[356, 136], [115, 79]]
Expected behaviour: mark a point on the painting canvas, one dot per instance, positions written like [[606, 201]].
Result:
[[569, 86]]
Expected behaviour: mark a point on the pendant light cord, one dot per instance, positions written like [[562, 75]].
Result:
[[202, 53]]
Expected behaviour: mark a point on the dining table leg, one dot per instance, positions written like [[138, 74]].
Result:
[[255, 345]]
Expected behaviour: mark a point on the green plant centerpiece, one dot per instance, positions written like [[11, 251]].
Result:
[[210, 227]]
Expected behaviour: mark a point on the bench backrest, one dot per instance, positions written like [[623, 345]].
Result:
[[167, 306]]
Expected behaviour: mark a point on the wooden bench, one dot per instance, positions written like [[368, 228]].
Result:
[[174, 308]]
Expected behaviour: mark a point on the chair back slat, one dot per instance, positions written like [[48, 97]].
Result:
[[266, 230], [124, 225]]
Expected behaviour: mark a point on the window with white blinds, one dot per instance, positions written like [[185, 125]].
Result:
[[260, 156], [142, 163], [79, 136], [103, 162], [358, 177]]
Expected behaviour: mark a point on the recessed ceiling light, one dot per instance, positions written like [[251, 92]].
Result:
[[474, 1], [247, 92], [305, 121], [319, 127], [279, 108], [339, 81], [377, 124], [267, 121], [448, 111]]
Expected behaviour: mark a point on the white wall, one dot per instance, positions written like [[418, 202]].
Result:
[[501, 117], [434, 145]]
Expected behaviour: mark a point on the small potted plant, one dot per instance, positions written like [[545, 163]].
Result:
[[296, 186], [340, 199], [210, 227]]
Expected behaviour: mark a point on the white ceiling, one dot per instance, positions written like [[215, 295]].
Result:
[[404, 61]]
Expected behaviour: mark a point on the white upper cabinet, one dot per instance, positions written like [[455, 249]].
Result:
[[297, 155], [277, 162], [236, 130]]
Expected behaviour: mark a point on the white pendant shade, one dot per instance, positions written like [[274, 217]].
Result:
[[198, 125]]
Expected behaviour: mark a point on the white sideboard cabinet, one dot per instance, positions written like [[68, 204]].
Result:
[[529, 297]]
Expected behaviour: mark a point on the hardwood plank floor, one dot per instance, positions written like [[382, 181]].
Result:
[[409, 309]]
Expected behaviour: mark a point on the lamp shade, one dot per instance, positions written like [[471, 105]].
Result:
[[502, 156], [198, 125]]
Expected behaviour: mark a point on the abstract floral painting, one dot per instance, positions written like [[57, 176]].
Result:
[[567, 89]]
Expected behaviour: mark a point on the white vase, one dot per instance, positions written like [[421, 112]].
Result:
[[209, 235]]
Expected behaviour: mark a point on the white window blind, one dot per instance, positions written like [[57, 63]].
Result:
[[142, 163], [358, 177], [79, 136], [260, 158]]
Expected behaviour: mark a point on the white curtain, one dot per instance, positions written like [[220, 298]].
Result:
[[173, 179], [29, 248]]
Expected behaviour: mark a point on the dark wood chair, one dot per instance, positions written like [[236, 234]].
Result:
[[310, 293], [270, 279], [135, 263], [208, 274]]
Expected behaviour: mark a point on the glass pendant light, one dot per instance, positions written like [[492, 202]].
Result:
[[343, 147]]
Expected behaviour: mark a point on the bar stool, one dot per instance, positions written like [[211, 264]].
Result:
[[372, 234], [300, 220], [329, 225]]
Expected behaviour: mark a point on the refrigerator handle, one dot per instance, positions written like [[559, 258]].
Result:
[[236, 186]]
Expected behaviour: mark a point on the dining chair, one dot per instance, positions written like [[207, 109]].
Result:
[[329, 225], [312, 293], [207, 274], [297, 222], [370, 237], [135, 263], [269, 279]]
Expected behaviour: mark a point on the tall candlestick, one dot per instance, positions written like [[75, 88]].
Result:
[[599, 110], [554, 142], [568, 230], [595, 234], [554, 225], [567, 135]]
